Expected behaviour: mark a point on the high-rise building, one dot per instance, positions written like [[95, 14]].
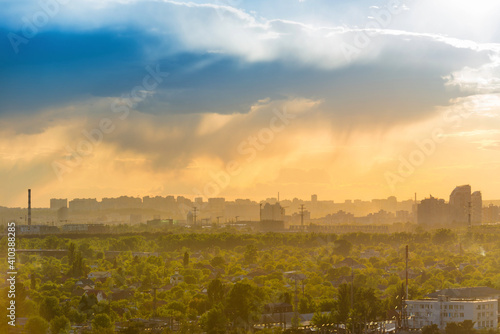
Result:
[[272, 212], [272, 217], [57, 203], [476, 208], [216, 207], [432, 211], [314, 198], [83, 204], [122, 202], [460, 198], [491, 214]]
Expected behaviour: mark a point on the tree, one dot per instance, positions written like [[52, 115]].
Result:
[[77, 266], [343, 306], [342, 247], [33, 281], [49, 308], [430, 329], [242, 305], [71, 252], [366, 305], [444, 236], [465, 327], [60, 325], [251, 253], [36, 325], [215, 292], [322, 321], [133, 328], [102, 324], [185, 261], [218, 261], [86, 303], [214, 321]]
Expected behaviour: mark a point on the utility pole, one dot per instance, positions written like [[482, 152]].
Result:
[[302, 215], [29, 206], [296, 300], [218, 217], [403, 311], [154, 302], [352, 292]]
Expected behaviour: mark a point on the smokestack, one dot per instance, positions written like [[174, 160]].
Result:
[[29, 207]]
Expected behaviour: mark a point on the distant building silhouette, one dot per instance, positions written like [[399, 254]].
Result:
[[490, 214], [57, 203], [432, 211], [272, 212], [62, 214], [460, 198], [190, 218], [83, 204], [272, 217], [476, 208]]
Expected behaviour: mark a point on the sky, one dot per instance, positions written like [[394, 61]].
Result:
[[353, 99]]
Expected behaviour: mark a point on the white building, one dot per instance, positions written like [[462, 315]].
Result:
[[443, 310], [37, 229]]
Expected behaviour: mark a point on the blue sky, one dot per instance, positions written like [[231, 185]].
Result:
[[365, 79]]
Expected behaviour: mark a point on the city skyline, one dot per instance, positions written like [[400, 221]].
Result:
[[281, 198], [245, 99]]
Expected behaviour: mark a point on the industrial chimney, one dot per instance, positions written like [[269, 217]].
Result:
[[29, 207]]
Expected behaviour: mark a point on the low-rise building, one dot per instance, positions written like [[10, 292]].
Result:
[[176, 278], [444, 309], [37, 229]]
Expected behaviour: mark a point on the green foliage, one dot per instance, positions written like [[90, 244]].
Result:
[[444, 236], [78, 268], [177, 306], [430, 329], [261, 261], [102, 323], [465, 327], [342, 247], [60, 325], [218, 261], [214, 321], [36, 325], [215, 292], [71, 252], [251, 253], [323, 320], [242, 305], [49, 308]]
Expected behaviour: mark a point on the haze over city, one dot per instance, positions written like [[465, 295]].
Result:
[[260, 166], [140, 98]]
